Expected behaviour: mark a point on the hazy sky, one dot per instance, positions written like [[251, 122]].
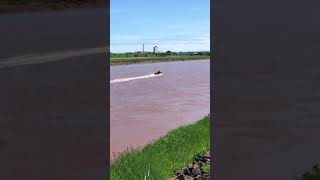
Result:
[[176, 25]]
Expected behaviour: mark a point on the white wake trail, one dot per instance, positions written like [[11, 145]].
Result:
[[49, 57], [134, 78]]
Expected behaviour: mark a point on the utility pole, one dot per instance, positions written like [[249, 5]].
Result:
[[143, 47]]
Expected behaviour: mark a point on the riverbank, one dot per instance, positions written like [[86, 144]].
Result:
[[137, 60], [17, 6], [162, 158]]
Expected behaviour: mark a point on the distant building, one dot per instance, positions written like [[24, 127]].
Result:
[[155, 49]]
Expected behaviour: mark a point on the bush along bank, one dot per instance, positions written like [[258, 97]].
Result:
[[162, 158]]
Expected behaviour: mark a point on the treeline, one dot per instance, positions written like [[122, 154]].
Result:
[[162, 54]]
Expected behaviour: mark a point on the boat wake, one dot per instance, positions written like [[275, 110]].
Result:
[[134, 78], [49, 57]]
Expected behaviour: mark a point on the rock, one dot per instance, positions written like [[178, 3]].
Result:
[[207, 155], [204, 159], [186, 171], [196, 171], [203, 172], [201, 164], [178, 172], [196, 166], [180, 177]]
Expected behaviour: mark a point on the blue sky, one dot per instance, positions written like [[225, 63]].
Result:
[[175, 25]]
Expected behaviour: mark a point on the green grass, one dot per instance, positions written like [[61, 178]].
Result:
[[127, 60], [206, 168], [166, 155]]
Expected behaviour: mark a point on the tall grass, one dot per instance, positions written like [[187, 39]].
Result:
[[167, 154]]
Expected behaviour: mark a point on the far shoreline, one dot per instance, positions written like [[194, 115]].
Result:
[[140, 61]]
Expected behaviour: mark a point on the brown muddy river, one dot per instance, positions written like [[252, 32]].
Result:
[[144, 107]]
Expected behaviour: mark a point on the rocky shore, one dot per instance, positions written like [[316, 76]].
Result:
[[196, 170]]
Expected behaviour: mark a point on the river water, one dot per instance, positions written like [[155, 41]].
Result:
[[144, 107]]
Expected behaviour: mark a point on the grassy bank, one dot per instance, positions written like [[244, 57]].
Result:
[[167, 154], [129, 60]]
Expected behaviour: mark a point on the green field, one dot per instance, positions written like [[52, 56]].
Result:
[[166, 155], [128, 60]]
